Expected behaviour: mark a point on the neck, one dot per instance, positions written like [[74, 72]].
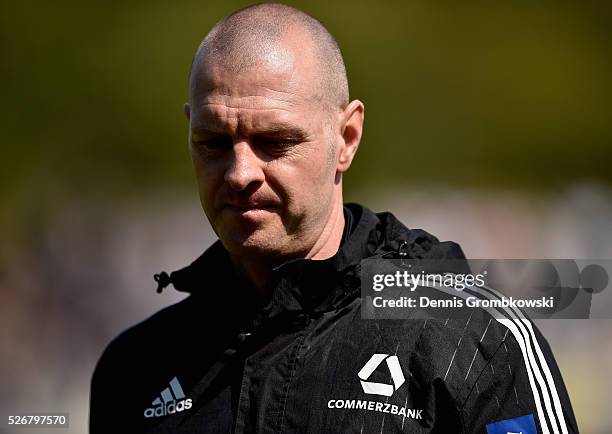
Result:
[[258, 270], [328, 243]]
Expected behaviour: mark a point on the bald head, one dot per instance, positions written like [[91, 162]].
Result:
[[271, 132], [273, 35]]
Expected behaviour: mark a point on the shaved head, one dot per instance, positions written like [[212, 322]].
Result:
[[271, 132], [257, 35]]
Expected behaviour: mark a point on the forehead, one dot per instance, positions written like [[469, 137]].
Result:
[[217, 83], [280, 83], [250, 102]]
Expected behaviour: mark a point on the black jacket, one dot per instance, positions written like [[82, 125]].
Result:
[[305, 362]]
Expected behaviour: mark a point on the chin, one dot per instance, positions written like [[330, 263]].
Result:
[[255, 243]]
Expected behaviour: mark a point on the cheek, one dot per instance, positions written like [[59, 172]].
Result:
[[209, 178], [305, 184]]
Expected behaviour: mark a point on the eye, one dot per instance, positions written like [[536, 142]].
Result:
[[280, 144], [276, 145], [214, 143]]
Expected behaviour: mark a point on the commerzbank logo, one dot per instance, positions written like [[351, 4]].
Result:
[[383, 389], [397, 376]]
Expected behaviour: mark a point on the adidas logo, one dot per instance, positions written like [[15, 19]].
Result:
[[172, 401]]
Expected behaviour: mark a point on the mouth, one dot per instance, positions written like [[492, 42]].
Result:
[[249, 209]]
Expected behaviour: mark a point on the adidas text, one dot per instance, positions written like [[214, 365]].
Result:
[[169, 408]]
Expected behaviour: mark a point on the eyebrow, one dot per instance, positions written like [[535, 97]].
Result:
[[282, 130], [276, 130]]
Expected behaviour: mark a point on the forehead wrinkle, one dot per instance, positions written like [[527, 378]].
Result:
[[265, 92], [248, 86], [220, 117], [224, 111], [251, 102], [213, 76]]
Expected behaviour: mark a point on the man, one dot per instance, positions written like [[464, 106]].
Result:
[[271, 338]]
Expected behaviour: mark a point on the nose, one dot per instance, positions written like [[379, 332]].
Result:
[[244, 168]]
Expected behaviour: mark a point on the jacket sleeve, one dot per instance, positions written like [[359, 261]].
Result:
[[520, 389], [107, 406], [100, 398]]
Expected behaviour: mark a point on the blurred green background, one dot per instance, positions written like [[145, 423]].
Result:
[[503, 106], [482, 94]]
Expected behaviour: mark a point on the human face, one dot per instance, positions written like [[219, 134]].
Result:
[[262, 149]]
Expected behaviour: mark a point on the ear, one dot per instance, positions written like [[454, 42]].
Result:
[[351, 128], [187, 110]]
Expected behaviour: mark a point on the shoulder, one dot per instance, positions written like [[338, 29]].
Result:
[[144, 339], [452, 350], [440, 342], [385, 232]]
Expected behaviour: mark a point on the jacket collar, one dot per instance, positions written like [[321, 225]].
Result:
[[304, 285], [299, 284]]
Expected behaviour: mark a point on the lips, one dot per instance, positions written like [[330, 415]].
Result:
[[250, 207]]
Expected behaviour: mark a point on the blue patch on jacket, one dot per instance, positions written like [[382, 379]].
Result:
[[518, 425]]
